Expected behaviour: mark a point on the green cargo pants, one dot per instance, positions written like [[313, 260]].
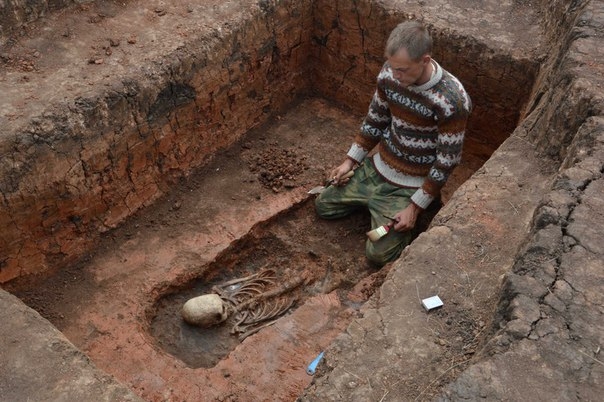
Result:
[[367, 189]]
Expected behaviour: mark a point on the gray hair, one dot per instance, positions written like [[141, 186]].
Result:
[[410, 35]]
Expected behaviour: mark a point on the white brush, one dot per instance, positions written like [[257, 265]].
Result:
[[379, 232]]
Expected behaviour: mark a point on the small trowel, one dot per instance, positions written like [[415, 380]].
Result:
[[319, 189]]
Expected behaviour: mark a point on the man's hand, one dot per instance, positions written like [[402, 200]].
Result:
[[337, 173], [405, 219]]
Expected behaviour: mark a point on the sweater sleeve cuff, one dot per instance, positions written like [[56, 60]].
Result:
[[357, 153], [421, 198]]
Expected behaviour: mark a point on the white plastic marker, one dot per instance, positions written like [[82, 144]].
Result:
[[432, 302]]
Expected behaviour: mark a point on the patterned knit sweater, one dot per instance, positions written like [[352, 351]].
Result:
[[419, 129]]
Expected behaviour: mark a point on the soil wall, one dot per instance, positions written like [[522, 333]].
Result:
[[561, 101], [80, 168], [548, 320], [348, 47]]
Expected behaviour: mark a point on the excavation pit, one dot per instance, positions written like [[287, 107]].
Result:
[[321, 258], [137, 172], [247, 208], [239, 214]]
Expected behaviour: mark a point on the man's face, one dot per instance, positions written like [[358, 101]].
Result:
[[407, 71]]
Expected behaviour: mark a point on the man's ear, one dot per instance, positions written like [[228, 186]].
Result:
[[426, 59]]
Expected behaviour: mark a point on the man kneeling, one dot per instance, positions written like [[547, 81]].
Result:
[[416, 121]]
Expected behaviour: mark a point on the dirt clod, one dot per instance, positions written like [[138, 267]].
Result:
[[278, 168]]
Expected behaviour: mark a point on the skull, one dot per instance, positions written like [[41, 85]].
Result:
[[205, 310]]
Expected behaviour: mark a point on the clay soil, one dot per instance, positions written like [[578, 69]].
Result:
[[246, 210]]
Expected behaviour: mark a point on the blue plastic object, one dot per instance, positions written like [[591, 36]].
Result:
[[312, 367]]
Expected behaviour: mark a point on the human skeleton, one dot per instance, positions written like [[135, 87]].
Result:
[[254, 302]]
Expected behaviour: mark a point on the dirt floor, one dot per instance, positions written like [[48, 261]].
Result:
[[246, 210]]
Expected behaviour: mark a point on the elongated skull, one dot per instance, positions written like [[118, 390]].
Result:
[[205, 310]]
